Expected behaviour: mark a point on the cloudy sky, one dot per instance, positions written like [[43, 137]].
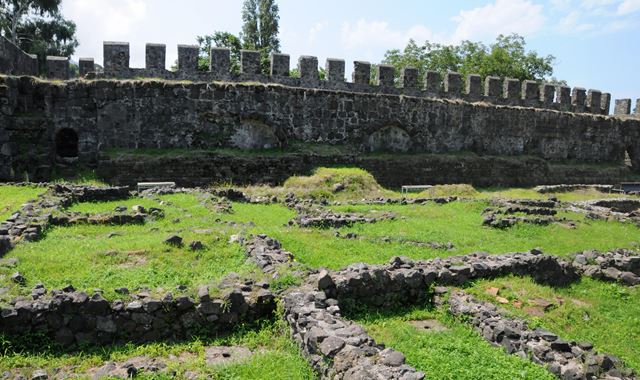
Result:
[[596, 42]]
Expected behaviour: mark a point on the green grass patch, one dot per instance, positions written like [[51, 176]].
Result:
[[605, 314], [12, 197], [276, 356], [457, 222], [108, 257], [459, 352]]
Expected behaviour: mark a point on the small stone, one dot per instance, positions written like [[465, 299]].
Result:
[[492, 291], [324, 280], [122, 290], [560, 345], [39, 374], [391, 358], [536, 251], [139, 209], [174, 240], [629, 278], [18, 278], [331, 346], [338, 187], [196, 245]]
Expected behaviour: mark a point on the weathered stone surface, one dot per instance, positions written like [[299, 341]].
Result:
[[212, 115], [568, 360], [155, 56], [361, 72], [335, 70], [280, 64], [15, 61], [337, 348], [267, 253], [86, 66], [58, 67], [188, 58], [116, 55]]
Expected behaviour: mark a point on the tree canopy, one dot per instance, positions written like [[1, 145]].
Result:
[[506, 57], [37, 27], [260, 28]]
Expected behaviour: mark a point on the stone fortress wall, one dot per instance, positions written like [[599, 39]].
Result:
[[191, 109]]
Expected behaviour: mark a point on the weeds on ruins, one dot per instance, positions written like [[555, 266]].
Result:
[[451, 212]]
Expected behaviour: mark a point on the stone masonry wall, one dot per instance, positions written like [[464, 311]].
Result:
[[15, 61], [158, 114]]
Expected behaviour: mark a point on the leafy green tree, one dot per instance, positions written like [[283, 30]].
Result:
[[37, 27], [506, 57], [52, 36], [220, 39], [260, 28]]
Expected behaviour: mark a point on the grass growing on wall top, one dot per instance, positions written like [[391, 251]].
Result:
[[605, 314]]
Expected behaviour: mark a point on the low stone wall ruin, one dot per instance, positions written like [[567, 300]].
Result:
[[565, 359]]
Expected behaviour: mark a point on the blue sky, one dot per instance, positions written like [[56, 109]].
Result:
[[596, 42]]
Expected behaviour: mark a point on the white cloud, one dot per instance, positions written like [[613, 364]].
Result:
[[560, 5], [501, 17], [316, 30], [628, 6], [369, 34], [99, 20], [591, 4], [115, 17], [571, 23]]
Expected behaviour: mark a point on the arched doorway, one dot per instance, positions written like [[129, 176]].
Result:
[[67, 143]]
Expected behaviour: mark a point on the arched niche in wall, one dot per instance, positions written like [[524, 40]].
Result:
[[67, 143], [389, 139], [254, 134]]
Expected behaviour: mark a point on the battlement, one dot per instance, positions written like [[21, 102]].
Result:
[[14, 61], [493, 90]]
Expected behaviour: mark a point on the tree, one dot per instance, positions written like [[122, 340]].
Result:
[[219, 39], [54, 36], [14, 12], [260, 28], [506, 57], [37, 27]]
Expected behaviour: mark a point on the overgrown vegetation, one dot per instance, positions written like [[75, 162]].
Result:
[[457, 352], [605, 314], [275, 356], [134, 256], [12, 197]]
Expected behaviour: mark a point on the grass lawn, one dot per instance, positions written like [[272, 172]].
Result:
[[605, 314], [12, 197], [458, 353], [457, 222], [109, 257], [276, 356]]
